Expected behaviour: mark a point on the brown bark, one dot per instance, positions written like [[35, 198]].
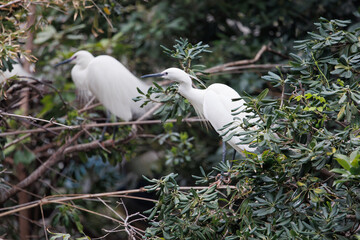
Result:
[[23, 197]]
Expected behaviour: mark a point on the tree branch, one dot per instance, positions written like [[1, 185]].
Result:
[[91, 125], [247, 63], [9, 3], [95, 144], [33, 118], [72, 197], [57, 156]]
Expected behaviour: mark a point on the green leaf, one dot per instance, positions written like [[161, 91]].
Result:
[[23, 156], [343, 98], [355, 170], [341, 113], [263, 94], [48, 32], [354, 158], [339, 170], [343, 160]]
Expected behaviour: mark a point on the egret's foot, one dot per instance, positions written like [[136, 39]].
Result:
[[220, 179]]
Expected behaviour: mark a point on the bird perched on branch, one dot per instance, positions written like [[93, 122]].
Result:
[[18, 70], [110, 82], [213, 103]]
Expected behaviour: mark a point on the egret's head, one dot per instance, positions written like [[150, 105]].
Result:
[[174, 74], [81, 58]]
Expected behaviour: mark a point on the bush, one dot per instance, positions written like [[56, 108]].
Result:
[[303, 183]]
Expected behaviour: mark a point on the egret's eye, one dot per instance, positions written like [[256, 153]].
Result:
[[166, 73]]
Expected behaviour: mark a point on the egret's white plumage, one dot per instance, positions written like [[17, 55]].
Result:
[[213, 103], [110, 82], [17, 70]]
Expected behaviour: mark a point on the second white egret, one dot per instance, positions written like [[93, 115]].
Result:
[[213, 103]]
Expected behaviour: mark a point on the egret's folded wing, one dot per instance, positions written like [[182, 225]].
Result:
[[217, 109], [111, 85]]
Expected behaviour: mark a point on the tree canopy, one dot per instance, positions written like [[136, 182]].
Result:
[[295, 63]]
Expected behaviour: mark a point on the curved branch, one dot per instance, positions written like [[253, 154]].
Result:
[[246, 63], [91, 125], [9, 3], [56, 157], [72, 197]]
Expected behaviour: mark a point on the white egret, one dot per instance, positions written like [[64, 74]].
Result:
[[17, 70], [213, 103], [110, 82]]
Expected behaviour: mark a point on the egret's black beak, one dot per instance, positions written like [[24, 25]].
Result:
[[65, 61], [153, 75]]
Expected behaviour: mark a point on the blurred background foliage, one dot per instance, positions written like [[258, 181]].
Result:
[[46, 32]]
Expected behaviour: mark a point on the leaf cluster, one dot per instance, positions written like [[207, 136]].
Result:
[[288, 189]]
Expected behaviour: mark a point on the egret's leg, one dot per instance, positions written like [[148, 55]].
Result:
[[234, 155], [224, 152], [116, 128], [108, 116], [222, 178]]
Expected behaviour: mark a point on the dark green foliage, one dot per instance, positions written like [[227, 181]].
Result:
[[174, 105], [67, 216], [180, 147], [287, 189]]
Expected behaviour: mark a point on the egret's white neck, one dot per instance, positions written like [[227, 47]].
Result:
[[83, 63], [195, 96], [78, 74]]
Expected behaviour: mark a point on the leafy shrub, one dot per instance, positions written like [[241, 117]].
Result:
[[288, 188]]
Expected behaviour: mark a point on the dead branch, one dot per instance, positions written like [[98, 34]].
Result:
[[72, 197], [32, 118], [16, 140], [246, 63], [149, 112], [86, 108], [57, 156], [235, 69], [9, 3], [96, 144], [92, 125], [48, 84]]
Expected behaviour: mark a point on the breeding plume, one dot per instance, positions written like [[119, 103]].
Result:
[[213, 103], [110, 82]]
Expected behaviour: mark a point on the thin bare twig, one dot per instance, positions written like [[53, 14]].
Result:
[[104, 15], [17, 140], [33, 118], [9, 3], [43, 221], [98, 143], [88, 106], [149, 112], [94, 144], [246, 63], [91, 125], [46, 83], [243, 67], [72, 197]]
